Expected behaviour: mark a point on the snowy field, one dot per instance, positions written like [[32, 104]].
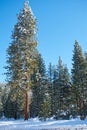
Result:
[[35, 124]]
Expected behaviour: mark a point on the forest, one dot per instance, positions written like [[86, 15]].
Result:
[[31, 89]]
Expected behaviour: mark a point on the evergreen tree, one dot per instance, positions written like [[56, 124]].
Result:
[[45, 110], [50, 86], [66, 93], [55, 92], [22, 53], [50, 72], [38, 87], [61, 89], [78, 75]]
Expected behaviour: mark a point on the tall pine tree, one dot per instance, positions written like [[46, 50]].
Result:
[[21, 53]]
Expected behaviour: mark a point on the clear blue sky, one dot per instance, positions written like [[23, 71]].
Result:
[[60, 23]]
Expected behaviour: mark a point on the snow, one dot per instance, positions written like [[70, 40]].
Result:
[[35, 124]]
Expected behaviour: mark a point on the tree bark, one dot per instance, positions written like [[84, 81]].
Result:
[[26, 106]]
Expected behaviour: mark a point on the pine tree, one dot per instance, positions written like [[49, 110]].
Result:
[[61, 89], [55, 92], [50, 72], [84, 86], [22, 53], [66, 92], [45, 110], [38, 87], [78, 71], [50, 86]]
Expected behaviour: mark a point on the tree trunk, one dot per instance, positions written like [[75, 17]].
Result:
[[27, 106]]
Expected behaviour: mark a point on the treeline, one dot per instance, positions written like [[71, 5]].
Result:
[[34, 91], [54, 92]]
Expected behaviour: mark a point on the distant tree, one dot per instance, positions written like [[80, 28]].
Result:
[[22, 53], [50, 72]]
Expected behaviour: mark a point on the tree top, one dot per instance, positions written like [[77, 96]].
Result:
[[26, 3]]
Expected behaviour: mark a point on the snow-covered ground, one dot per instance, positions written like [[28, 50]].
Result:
[[35, 124]]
